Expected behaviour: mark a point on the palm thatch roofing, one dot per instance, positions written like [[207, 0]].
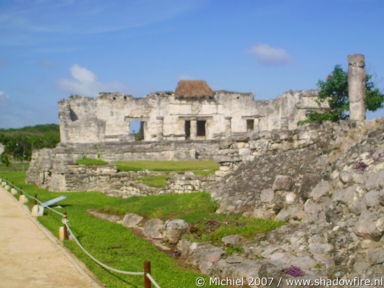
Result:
[[193, 89]]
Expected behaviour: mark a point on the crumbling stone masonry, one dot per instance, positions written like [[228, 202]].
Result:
[[192, 112]]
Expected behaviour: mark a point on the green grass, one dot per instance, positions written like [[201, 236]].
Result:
[[19, 166], [90, 161], [154, 181], [191, 207], [235, 224], [198, 209], [102, 237], [199, 166]]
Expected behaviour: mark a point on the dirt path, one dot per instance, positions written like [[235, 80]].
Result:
[[28, 257]]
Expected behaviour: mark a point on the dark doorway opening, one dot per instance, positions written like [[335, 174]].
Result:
[[187, 129], [250, 125], [200, 131]]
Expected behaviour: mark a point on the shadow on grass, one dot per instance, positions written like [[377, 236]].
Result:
[[115, 275]]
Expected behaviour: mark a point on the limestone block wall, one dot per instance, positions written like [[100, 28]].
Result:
[[108, 117], [56, 169]]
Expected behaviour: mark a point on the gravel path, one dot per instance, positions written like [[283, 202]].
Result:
[[31, 258]]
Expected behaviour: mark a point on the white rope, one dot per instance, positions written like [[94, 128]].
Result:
[[34, 198], [54, 211], [149, 276], [97, 261]]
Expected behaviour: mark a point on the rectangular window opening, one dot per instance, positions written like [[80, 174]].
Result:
[[187, 129], [250, 124], [136, 128], [200, 128]]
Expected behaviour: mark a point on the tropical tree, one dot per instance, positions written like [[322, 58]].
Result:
[[335, 90]]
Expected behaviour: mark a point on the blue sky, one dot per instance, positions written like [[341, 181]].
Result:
[[52, 48]]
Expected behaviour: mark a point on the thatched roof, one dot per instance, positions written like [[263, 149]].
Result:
[[193, 89]]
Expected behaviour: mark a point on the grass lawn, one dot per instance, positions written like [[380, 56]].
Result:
[[201, 167], [90, 161], [112, 243], [197, 209], [154, 181], [118, 247], [23, 166]]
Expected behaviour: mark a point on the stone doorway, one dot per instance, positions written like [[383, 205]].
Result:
[[201, 128], [250, 124]]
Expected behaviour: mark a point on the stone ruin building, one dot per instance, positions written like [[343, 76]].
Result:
[[192, 122], [192, 112], [325, 181]]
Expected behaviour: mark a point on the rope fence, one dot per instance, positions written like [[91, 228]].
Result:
[[68, 234]]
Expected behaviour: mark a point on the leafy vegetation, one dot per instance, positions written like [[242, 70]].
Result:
[[112, 243], [19, 143], [203, 166], [90, 161], [335, 90]]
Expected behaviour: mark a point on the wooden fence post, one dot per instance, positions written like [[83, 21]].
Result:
[[147, 269], [63, 231]]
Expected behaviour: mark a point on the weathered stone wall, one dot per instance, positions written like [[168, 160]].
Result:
[[287, 168], [107, 118], [272, 152], [106, 179], [56, 169]]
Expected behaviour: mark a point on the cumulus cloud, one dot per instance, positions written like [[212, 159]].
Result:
[[84, 82], [267, 55]]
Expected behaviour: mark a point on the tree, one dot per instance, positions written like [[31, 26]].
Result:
[[4, 159], [335, 90]]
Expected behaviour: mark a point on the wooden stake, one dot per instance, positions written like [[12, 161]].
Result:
[[147, 269], [63, 231]]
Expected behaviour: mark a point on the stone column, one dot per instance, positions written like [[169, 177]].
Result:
[[193, 128], [228, 127], [160, 130], [356, 86]]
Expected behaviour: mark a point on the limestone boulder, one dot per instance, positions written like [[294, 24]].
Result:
[[131, 220], [372, 198], [291, 212], [204, 256], [174, 229], [376, 256], [235, 267], [154, 228], [320, 190], [282, 182], [267, 195], [375, 181], [366, 226], [184, 247], [232, 240]]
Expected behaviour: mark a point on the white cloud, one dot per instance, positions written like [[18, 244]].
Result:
[[38, 16], [185, 77], [84, 82], [82, 74], [267, 55], [3, 97]]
